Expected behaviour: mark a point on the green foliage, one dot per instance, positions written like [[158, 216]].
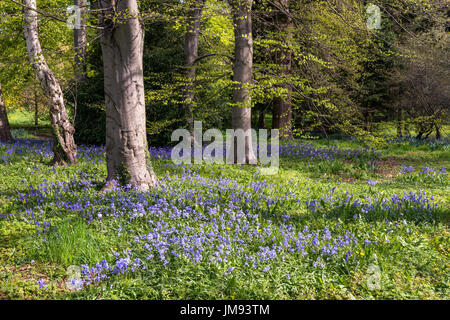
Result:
[[343, 78], [90, 116], [16, 74]]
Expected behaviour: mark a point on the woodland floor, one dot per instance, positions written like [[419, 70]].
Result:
[[337, 222]]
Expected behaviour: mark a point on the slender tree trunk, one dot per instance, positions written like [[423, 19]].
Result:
[[282, 117], [282, 107], [64, 148], [190, 55], [79, 42], [406, 128], [438, 131], [5, 130], [122, 41], [242, 78], [36, 105], [399, 123], [370, 121], [262, 117]]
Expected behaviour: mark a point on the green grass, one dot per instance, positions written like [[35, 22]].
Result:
[[412, 253], [24, 120], [71, 243]]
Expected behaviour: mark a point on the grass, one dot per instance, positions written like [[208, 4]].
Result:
[[316, 230], [23, 122]]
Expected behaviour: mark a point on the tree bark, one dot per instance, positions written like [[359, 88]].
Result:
[[190, 55], [282, 107], [36, 107], [64, 148], [282, 117], [399, 124], [122, 41], [262, 117], [438, 132], [5, 130], [79, 42], [406, 128], [242, 75]]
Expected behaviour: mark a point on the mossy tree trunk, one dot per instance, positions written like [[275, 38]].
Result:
[[438, 131], [5, 130]]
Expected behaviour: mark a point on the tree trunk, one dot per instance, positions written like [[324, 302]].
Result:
[[262, 117], [190, 55], [282, 117], [406, 128], [79, 42], [242, 78], [366, 120], [438, 131], [64, 148], [282, 107], [36, 109], [399, 123], [5, 130], [122, 41]]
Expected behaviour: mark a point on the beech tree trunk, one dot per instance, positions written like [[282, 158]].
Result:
[[190, 55], [242, 75], [122, 41], [79, 42], [282, 107], [64, 148], [5, 130]]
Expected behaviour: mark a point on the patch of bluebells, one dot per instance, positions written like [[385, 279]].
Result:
[[415, 206], [425, 174], [41, 284], [433, 144], [309, 151], [406, 169], [190, 219], [43, 150], [242, 249]]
